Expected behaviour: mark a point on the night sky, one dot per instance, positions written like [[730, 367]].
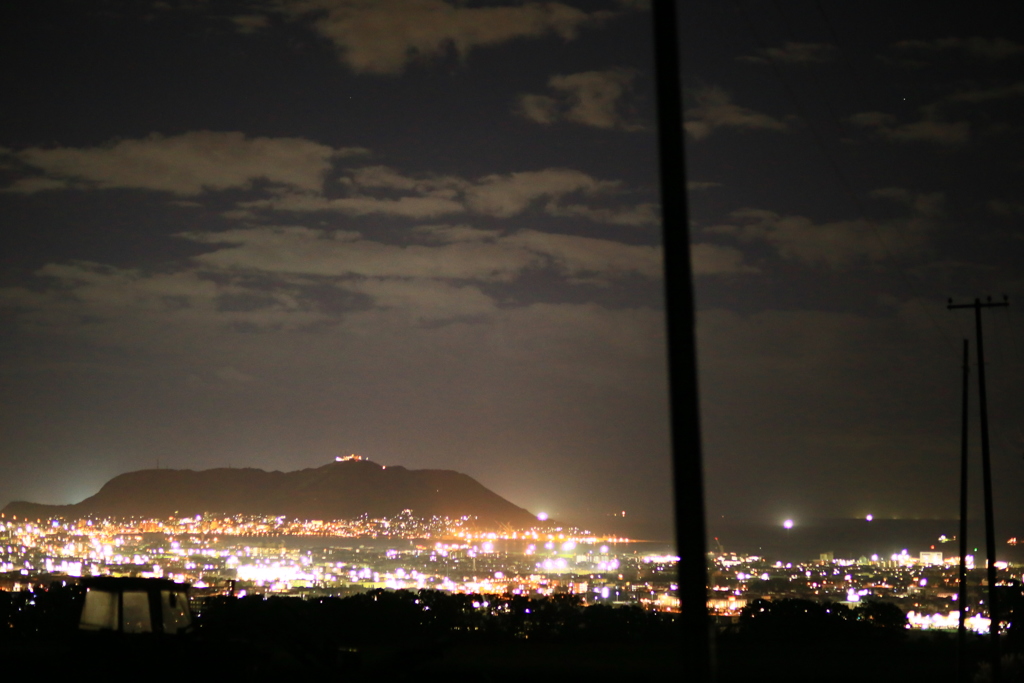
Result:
[[268, 233]]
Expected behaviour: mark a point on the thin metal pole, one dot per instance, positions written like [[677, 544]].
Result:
[[986, 473], [686, 442], [962, 592]]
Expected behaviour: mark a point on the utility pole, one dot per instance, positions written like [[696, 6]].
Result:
[[986, 473], [961, 633], [688, 475]]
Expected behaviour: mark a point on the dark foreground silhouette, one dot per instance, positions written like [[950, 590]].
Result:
[[338, 490], [403, 635]]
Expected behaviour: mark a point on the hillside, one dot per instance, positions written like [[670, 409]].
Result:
[[339, 490]]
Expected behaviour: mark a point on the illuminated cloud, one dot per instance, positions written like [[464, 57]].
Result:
[[926, 130], [590, 98], [306, 252], [715, 110], [386, 36], [988, 94], [34, 184], [640, 214], [250, 23], [407, 207], [454, 233], [303, 251], [388, 178], [199, 162], [141, 307], [185, 165], [505, 195], [497, 195], [272, 282], [425, 299], [714, 259], [587, 257], [539, 108], [839, 244]]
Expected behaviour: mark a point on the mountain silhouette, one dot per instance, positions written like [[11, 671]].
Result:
[[339, 490]]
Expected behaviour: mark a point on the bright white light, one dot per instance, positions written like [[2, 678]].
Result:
[[788, 524], [869, 517], [260, 573], [542, 516]]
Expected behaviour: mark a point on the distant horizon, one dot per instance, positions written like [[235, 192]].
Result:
[[762, 531], [748, 518]]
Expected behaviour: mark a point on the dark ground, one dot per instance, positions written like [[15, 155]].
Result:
[[404, 636]]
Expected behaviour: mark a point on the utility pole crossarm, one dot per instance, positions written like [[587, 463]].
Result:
[[978, 303]]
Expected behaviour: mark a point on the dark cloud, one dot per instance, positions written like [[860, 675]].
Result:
[[887, 127], [977, 47], [793, 53]]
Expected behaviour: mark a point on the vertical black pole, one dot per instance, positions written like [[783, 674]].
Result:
[[686, 442], [962, 592], [986, 465], [986, 472]]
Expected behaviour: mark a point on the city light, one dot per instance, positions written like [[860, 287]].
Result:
[[210, 550], [278, 556]]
